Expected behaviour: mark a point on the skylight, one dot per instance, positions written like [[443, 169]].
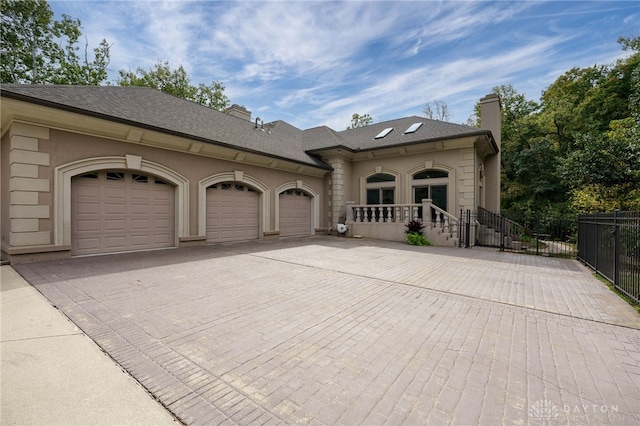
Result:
[[384, 133], [413, 128]]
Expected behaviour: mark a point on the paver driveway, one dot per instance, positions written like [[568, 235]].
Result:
[[341, 331]]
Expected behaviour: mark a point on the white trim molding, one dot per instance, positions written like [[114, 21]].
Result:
[[62, 191]]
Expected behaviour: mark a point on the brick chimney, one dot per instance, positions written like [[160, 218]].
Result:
[[491, 119], [239, 111]]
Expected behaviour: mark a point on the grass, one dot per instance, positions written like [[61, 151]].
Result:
[[626, 298]]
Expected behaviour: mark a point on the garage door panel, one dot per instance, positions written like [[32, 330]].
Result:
[[163, 239], [141, 209], [117, 242], [114, 193], [162, 223], [88, 225], [161, 209], [115, 225], [140, 240], [121, 215], [139, 224], [87, 208], [88, 245], [295, 214], [232, 213], [118, 208], [162, 196], [88, 191]]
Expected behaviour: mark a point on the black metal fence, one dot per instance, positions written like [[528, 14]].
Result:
[[609, 243], [544, 236]]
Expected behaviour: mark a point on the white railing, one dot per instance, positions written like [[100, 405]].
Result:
[[389, 213], [403, 213]]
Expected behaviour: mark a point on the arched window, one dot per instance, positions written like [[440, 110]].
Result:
[[381, 189], [431, 184]]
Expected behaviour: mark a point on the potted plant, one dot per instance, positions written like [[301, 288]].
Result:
[[414, 234]]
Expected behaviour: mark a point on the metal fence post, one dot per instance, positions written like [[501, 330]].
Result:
[[468, 230], [597, 247], [616, 248], [501, 218], [460, 229]]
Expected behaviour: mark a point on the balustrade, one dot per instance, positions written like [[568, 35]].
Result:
[[431, 215]]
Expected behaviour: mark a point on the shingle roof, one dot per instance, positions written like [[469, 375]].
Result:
[[153, 109], [364, 138]]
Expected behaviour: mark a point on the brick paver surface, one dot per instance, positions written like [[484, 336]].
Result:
[[339, 331]]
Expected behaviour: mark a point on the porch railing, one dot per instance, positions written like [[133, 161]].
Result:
[[435, 217]]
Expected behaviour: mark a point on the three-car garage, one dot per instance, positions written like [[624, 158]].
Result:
[[121, 210]]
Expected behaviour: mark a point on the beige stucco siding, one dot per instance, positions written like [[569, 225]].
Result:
[[70, 147], [25, 187], [31, 187], [5, 169], [460, 163]]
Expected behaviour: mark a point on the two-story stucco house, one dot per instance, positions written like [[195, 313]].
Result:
[[88, 170]]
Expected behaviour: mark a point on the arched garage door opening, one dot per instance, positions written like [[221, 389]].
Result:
[[294, 213], [233, 212], [117, 210]]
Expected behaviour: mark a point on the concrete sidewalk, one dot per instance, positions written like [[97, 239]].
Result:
[[52, 373]]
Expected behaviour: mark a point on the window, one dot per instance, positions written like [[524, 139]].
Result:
[[431, 184], [381, 189], [413, 128], [92, 175], [430, 174], [139, 178], [384, 133], [115, 176]]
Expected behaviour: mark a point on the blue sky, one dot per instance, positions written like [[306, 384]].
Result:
[[317, 63]]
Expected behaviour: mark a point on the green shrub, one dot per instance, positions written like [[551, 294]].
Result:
[[416, 239]]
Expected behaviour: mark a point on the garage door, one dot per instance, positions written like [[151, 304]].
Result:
[[232, 212], [116, 211], [295, 214]]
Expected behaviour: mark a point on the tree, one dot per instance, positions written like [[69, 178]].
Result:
[[438, 111], [529, 185], [358, 120], [601, 151], [578, 148], [37, 49], [604, 169], [176, 82]]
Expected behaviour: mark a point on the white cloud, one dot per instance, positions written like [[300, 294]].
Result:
[[319, 62]]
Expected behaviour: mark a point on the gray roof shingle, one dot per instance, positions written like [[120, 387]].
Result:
[[150, 108], [153, 109], [363, 138]]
